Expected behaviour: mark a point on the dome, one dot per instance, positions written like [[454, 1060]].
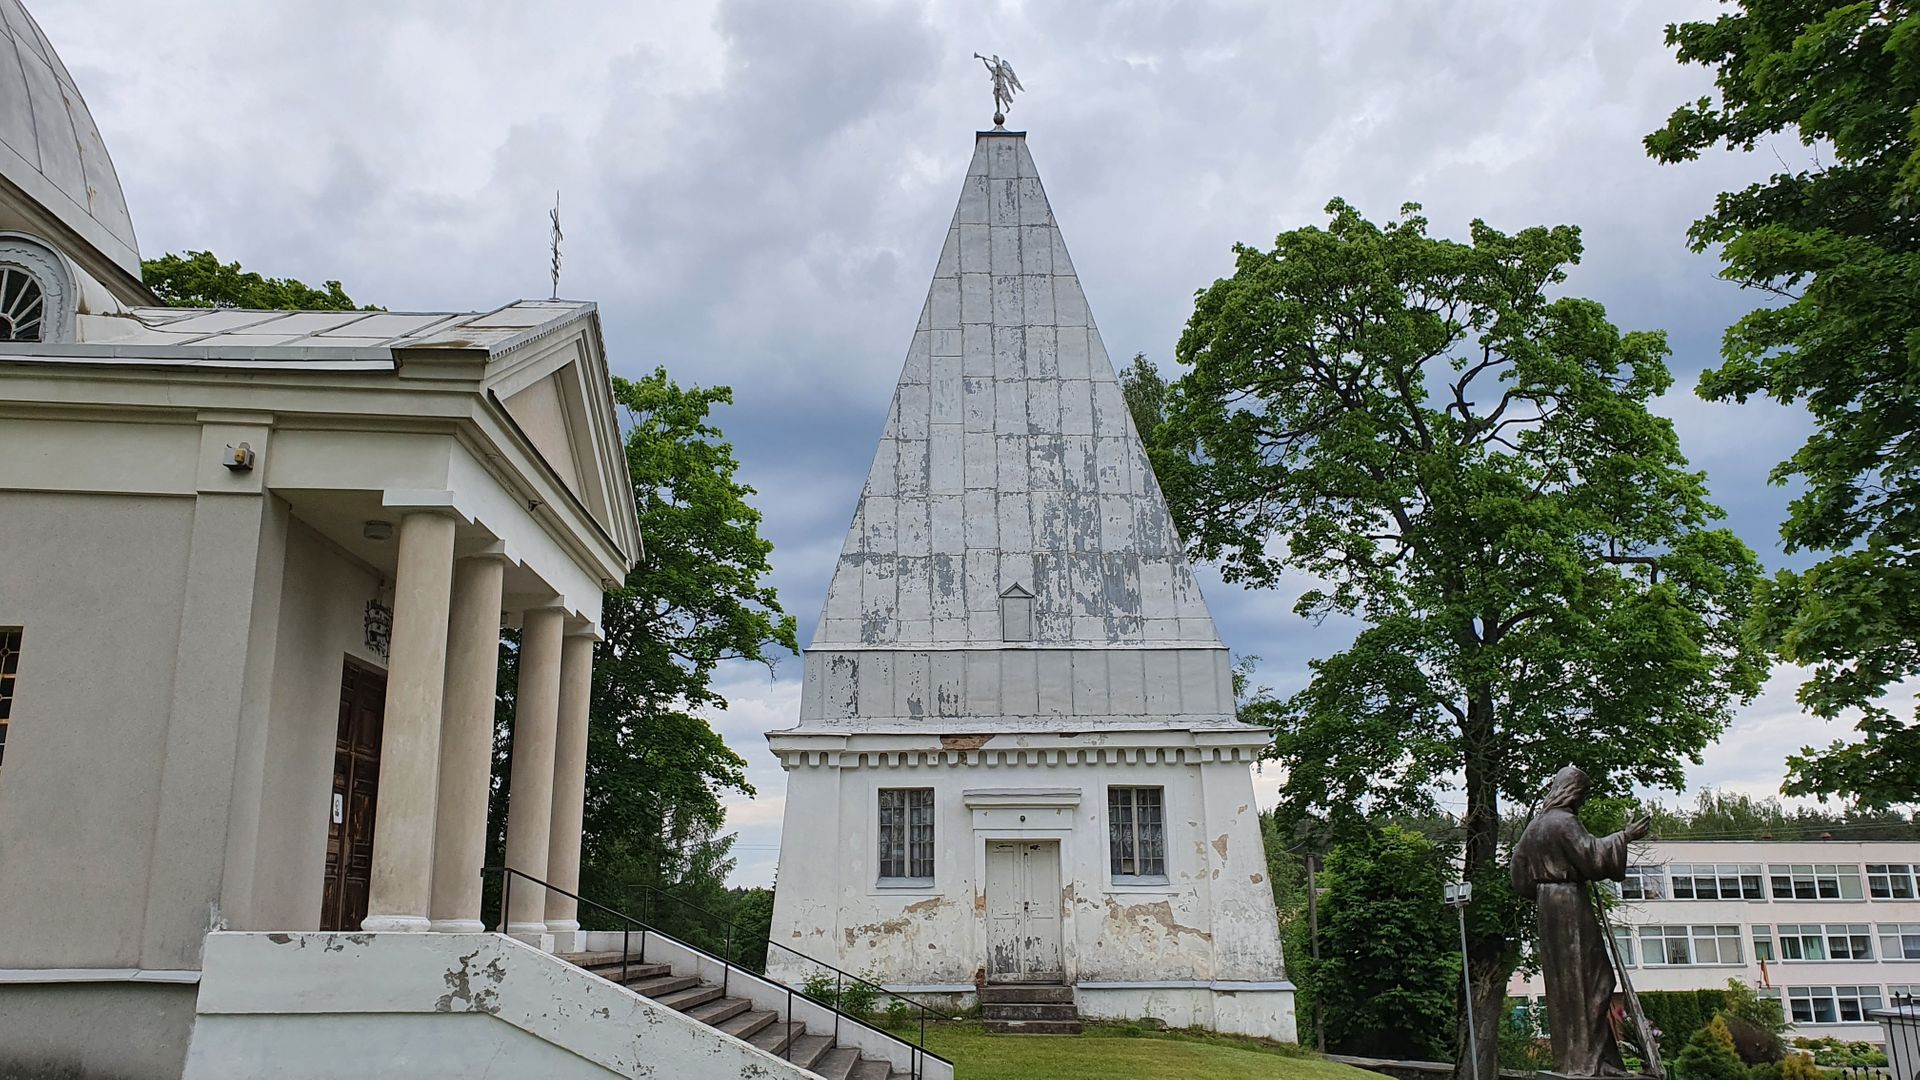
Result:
[[49, 146]]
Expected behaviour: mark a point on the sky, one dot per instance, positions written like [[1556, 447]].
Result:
[[755, 192]]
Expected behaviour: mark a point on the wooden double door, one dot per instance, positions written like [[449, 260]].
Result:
[[1023, 911], [356, 787]]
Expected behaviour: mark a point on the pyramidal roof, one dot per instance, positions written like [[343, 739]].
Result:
[[1010, 462]]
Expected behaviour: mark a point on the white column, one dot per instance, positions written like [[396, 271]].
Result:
[[569, 784], [401, 885], [530, 797], [466, 743]]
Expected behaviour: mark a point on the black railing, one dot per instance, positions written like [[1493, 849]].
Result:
[[845, 986]]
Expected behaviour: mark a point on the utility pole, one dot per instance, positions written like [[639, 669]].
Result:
[[1313, 936], [1457, 895]]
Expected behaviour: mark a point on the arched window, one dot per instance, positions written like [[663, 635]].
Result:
[[23, 306]]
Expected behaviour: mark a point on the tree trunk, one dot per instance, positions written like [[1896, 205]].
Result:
[[1486, 943]]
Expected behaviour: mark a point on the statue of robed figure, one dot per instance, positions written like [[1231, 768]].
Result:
[[1553, 863]]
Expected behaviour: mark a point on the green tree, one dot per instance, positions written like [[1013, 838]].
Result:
[[1726, 815], [1145, 392], [1834, 245], [1470, 466], [1709, 1055], [655, 768], [1384, 985], [198, 279]]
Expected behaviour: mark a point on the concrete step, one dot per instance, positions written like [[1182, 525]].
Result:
[[866, 1069], [807, 1049], [663, 984], [1033, 1027], [715, 1013], [688, 999], [1028, 994], [773, 1038], [1029, 1012], [748, 1024], [837, 1063]]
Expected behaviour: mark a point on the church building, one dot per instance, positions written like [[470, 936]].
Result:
[[1017, 760]]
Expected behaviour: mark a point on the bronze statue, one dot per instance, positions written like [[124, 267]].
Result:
[[1552, 864]]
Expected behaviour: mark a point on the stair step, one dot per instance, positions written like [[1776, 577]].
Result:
[[837, 1063], [1029, 1012], [868, 1069], [807, 1049], [1043, 994], [1033, 1027], [664, 984], [716, 1013], [773, 1038], [748, 1024], [687, 999]]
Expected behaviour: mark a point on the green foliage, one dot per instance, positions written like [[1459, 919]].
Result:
[[1709, 1055], [1389, 966], [1677, 1014], [1730, 815], [1799, 1067], [1524, 1043], [198, 279], [1145, 392], [1764, 1021], [1470, 465], [1834, 1054], [1835, 246]]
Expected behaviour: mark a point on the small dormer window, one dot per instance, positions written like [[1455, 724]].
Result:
[[23, 306], [1016, 614]]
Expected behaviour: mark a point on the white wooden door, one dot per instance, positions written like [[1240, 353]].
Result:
[[1023, 911]]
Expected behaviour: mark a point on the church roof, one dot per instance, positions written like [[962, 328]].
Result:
[[50, 147], [1009, 457]]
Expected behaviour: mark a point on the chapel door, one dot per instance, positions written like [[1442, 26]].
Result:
[[356, 782], [1023, 911]]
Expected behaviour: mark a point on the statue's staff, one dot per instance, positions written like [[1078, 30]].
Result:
[[1649, 1046]]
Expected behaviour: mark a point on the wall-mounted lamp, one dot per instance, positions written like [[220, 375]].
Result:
[[377, 531], [239, 458]]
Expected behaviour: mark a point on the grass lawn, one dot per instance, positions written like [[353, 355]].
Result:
[[1124, 1052]]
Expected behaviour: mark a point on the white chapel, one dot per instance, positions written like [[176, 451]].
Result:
[[1017, 762]]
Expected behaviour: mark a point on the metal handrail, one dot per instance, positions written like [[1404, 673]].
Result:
[[727, 964]]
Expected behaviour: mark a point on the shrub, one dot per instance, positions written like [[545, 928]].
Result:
[[1677, 1014], [1709, 1055], [1766, 1070], [1799, 1067]]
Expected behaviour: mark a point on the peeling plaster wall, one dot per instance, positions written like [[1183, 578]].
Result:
[[349, 1006]]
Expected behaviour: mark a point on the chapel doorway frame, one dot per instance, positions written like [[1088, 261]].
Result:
[[353, 796]]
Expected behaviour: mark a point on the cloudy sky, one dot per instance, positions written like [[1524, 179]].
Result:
[[755, 192]]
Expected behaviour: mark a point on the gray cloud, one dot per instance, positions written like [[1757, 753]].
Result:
[[755, 192]]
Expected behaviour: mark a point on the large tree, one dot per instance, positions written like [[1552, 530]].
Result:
[[1467, 462], [200, 279], [1834, 246], [656, 769]]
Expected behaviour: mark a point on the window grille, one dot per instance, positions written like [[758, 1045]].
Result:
[[9, 669], [23, 307], [1136, 832], [906, 833]]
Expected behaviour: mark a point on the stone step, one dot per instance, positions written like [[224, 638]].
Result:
[[1034, 994], [837, 1063], [1046, 1011], [688, 999], [807, 1049], [773, 1038], [868, 1069], [748, 1024], [715, 1013], [663, 984], [1033, 1027]]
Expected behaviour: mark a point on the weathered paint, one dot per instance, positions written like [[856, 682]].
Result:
[[1009, 467]]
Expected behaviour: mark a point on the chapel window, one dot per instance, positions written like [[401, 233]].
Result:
[[1136, 834], [9, 668], [22, 306], [906, 834], [1016, 614]]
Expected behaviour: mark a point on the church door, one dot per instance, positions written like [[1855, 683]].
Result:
[[1023, 911], [356, 781]]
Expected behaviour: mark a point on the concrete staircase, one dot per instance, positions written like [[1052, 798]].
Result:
[[1029, 1009], [707, 1003]]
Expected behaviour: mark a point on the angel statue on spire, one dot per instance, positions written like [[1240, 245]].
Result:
[[1005, 82]]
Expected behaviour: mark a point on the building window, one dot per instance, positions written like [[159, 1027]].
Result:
[[1136, 833], [1832, 1004], [1891, 881], [23, 309], [1644, 883], [1822, 881], [1623, 939], [1850, 941], [906, 833], [1016, 614], [1836, 941], [1716, 881], [1902, 994], [9, 668], [1763, 944], [1900, 941], [1685, 945]]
